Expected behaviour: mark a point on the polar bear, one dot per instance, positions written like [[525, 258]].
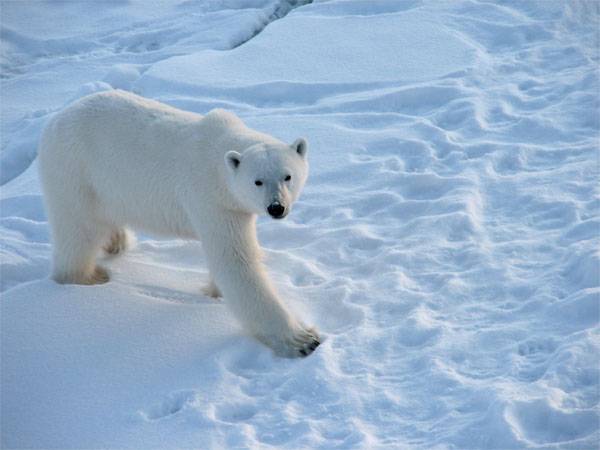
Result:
[[114, 161]]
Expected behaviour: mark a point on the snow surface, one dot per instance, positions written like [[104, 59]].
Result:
[[447, 243]]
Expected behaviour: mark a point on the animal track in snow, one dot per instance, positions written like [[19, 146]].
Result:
[[533, 347], [172, 296], [540, 423], [535, 355], [173, 404], [233, 413]]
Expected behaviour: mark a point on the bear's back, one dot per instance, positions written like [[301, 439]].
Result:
[[117, 103]]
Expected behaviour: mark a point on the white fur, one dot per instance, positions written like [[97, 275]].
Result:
[[114, 160]]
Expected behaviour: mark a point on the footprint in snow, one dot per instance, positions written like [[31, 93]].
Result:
[[174, 403], [173, 296], [535, 355], [535, 347], [235, 412]]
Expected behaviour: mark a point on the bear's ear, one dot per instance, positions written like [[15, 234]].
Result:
[[300, 146], [233, 159]]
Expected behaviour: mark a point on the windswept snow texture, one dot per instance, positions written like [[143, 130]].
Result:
[[447, 243]]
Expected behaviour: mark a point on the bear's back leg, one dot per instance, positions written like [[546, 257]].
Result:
[[77, 232], [75, 247]]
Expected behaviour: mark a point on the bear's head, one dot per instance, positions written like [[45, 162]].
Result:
[[268, 178]]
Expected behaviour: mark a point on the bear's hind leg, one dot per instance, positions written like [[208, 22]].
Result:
[[75, 246], [120, 240]]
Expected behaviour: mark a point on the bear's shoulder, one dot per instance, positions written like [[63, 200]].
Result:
[[222, 118]]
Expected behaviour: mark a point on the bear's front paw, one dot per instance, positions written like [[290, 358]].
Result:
[[306, 341], [301, 342], [296, 342]]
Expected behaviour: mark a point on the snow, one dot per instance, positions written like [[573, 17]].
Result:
[[446, 244]]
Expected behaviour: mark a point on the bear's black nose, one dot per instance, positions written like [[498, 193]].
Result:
[[276, 210]]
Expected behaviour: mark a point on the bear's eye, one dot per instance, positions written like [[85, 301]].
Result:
[[288, 178], [258, 183]]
